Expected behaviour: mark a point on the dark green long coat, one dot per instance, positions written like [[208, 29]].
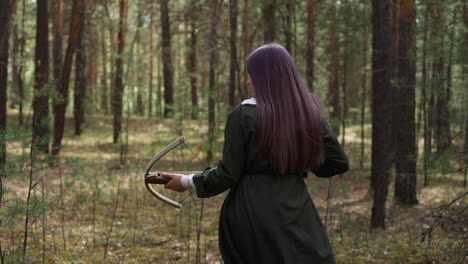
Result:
[[266, 218]]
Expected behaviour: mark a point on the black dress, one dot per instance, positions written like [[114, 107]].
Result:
[[266, 218]]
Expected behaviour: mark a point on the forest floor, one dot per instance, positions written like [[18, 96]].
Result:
[[89, 208]]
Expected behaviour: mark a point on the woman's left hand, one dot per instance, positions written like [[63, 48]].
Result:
[[175, 183]]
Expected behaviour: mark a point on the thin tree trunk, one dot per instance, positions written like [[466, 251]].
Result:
[[424, 89], [363, 81], [18, 60], [269, 20], [405, 158], [213, 43], [105, 87], [442, 126], [334, 86], [192, 65], [345, 80], [151, 61], [5, 14], [61, 104], [381, 106], [310, 43], [233, 11], [166, 58], [58, 40], [40, 124], [288, 35], [465, 68], [117, 94], [246, 43], [80, 74], [92, 39]]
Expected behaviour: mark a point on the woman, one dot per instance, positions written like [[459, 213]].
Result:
[[270, 142]]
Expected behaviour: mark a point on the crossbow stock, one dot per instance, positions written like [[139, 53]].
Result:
[[157, 178]]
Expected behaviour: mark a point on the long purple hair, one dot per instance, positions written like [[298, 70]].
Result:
[[288, 115]]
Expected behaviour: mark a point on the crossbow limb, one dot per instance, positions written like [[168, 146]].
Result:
[[156, 178]]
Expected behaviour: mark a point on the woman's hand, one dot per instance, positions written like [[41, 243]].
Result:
[[175, 183]]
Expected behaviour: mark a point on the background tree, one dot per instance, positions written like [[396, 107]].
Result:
[[333, 83], [166, 58], [117, 92], [310, 43], [6, 8], [269, 20], [233, 13], [40, 120], [61, 101], [80, 74], [381, 106], [406, 156]]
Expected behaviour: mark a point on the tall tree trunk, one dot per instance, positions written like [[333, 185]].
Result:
[[288, 27], [166, 58], [310, 43], [192, 65], [381, 106], [334, 86], [233, 11], [442, 126], [80, 74], [395, 89], [344, 85], [40, 125], [213, 43], [118, 90], [151, 61], [465, 69], [58, 39], [5, 15], [269, 20], [405, 158], [61, 104], [105, 87], [246, 43], [363, 80], [424, 90], [18, 61], [91, 40]]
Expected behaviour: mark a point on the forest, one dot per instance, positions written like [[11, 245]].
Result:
[[92, 90]]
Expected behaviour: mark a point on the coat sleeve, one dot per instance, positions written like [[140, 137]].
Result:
[[214, 181], [335, 160]]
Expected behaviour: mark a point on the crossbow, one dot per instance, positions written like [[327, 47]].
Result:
[[157, 178]]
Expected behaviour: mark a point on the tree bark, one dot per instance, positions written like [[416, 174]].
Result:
[[192, 65], [5, 15], [269, 20], [118, 90], [233, 11], [442, 126], [18, 61], [424, 90], [105, 87], [213, 43], [310, 43], [334, 86], [395, 89], [151, 61], [405, 158], [246, 43], [80, 74], [61, 102], [363, 81], [167, 60], [58, 40], [288, 35], [40, 124], [381, 106]]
